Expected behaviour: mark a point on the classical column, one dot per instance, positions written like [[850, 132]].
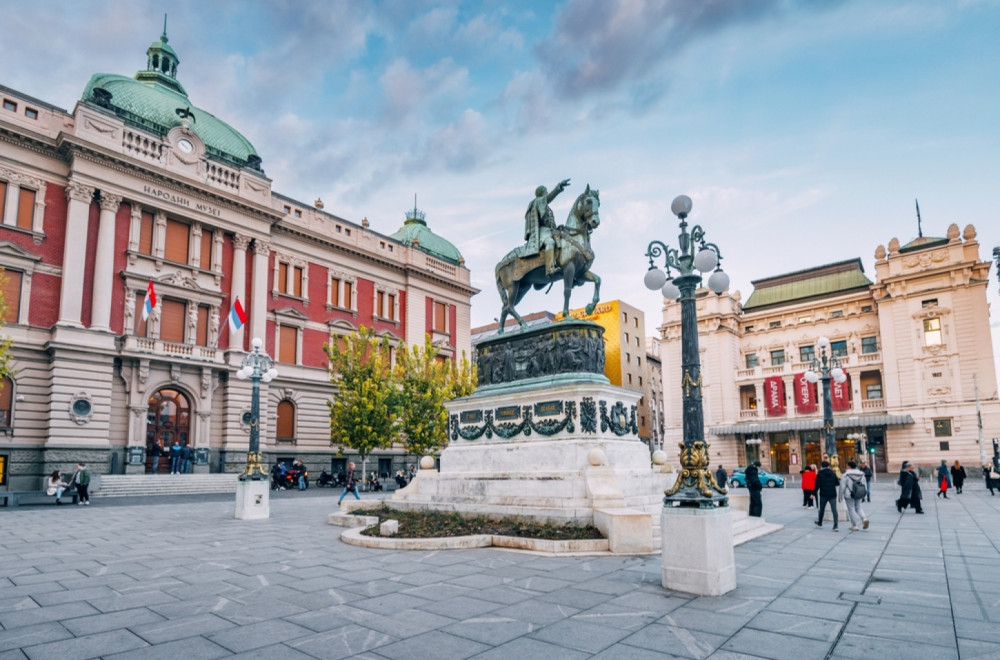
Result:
[[100, 315], [13, 200], [78, 197], [258, 294], [238, 290]]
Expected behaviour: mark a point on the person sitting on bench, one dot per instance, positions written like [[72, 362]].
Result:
[[56, 486]]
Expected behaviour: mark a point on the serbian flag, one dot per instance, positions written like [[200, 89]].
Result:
[[237, 315], [150, 302]]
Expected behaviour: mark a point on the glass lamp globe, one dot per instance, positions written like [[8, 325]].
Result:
[[257, 342], [838, 374], [718, 282], [824, 342], [655, 278], [272, 373], [670, 291], [706, 259], [812, 376], [681, 206], [265, 377], [241, 374]]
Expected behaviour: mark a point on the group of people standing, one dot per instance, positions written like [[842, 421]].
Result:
[[80, 480], [910, 493], [180, 457]]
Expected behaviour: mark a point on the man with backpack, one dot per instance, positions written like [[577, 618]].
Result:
[[853, 491]]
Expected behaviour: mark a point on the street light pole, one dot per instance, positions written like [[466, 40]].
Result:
[[829, 368], [257, 366], [695, 487]]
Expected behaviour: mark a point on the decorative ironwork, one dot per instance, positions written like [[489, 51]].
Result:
[[695, 473], [588, 415], [687, 383], [508, 430], [258, 367], [619, 419]]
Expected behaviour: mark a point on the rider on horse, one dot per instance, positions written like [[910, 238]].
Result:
[[539, 224]]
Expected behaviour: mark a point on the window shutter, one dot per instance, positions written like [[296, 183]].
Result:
[[146, 233], [203, 312], [282, 283], [439, 317], [297, 281], [335, 292], [348, 295], [380, 304], [207, 240], [3, 197], [176, 249], [286, 349], [25, 209], [286, 421], [172, 320], [391, 313], [12, 295]]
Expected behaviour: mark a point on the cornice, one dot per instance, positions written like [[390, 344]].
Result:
[[26, 141]]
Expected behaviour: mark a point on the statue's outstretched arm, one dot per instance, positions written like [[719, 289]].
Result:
[[558, 189]]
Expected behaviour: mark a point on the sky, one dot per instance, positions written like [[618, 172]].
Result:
[[803, 130]]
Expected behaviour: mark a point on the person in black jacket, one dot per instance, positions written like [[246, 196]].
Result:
[[827, 484], [909, 485], [721, 476], [754, 486]]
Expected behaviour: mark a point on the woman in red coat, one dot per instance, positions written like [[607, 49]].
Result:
[[808, 486]]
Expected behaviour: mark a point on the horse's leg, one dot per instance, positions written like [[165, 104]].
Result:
[[591, 277], [569, 275]]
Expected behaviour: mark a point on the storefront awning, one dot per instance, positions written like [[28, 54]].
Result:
[[841, 422]]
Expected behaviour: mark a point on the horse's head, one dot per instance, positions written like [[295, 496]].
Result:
[[586, 208]]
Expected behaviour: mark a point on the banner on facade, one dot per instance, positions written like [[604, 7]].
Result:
[[840, 393], [774, 396], [805, 394]]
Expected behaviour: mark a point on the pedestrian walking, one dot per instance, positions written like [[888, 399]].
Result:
[[827, 483], [868, 480], [351, 486], [808, 486], [853, 491], [82, 480], [909, 489], [992, 478], [943, 479], [958, 476], [175, 457], [754, 486], [721, 476], [187, 455], [155, 452]]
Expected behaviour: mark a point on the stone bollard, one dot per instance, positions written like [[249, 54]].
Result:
[[389, 528]]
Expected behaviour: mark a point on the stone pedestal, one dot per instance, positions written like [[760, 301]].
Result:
[[697, 550], [252, 500]]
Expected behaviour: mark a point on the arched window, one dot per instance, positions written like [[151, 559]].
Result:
[[286, 422], [6, 402]]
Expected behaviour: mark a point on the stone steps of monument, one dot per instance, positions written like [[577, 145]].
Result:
[[745, 528], [138, 485]]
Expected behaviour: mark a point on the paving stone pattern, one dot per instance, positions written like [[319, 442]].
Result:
[[178, 577]]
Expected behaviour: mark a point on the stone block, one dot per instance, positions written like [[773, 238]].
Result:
[[739, 501], [389, 528], [253, 500], [697, 550], [629, 531]]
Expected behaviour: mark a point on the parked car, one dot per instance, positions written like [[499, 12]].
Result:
[[769, 479]]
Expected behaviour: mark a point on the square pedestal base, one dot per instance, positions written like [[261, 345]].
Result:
[[698, 553], [253, 500]]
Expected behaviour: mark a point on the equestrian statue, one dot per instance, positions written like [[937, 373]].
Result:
[[551, 253]]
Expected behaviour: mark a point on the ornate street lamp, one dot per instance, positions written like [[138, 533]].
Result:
[[257, 366], [695, 487], [828, 367]]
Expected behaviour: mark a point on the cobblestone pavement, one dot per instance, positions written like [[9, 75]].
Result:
[[180, 578]]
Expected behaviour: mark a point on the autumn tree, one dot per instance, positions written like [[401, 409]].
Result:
[[363, 412], [6, 343]]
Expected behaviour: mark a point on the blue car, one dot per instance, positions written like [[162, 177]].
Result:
[[769, 479]]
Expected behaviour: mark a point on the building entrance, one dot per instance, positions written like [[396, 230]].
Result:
[[779, 453], [168, 419], [812, 443]]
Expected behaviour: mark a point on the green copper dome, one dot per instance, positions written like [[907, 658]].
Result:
[[156, 101], [416, 233]]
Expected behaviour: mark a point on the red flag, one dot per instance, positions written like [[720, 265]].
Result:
[[774, 396], [840, 393], [805, 394]]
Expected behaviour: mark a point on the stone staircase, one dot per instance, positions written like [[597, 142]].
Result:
[[745, 528], [143, 485]]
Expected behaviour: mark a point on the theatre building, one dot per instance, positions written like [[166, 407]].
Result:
[[136, 185], [914, 342]]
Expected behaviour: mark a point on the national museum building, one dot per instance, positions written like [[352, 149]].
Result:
[[915, 345], [139, 185]]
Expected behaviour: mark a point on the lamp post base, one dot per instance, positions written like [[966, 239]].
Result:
[[697, 554], [253, 500]]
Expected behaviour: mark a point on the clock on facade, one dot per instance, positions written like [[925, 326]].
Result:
[[185, 145]]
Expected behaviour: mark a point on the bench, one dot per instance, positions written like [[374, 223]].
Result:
[[15, 497]]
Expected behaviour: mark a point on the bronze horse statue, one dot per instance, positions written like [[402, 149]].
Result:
[[516, 275]]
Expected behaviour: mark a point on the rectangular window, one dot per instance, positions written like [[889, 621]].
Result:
[[932, 332], [774, 324], [942, 428], [25, 209], [807, 353], [440, 317], [11, 294], [777, 357], [172, 317], [202, 338], [838, 348], [178, 242], [348, 296], [944, 445], [282, 284], [379, 303], [390, 311], [9, 105], [3, 197], [207, 241], [288, 345], [930, 302], [335, 292], [869, 344], [146, 233], [31, 113], [873, 391], [297, 281], [748, 328], [866, 308], [836, 314], [751, 359]]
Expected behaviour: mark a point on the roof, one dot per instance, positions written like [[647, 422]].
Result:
[[151, 101], [819, 282], [416, 233], [922, 242]]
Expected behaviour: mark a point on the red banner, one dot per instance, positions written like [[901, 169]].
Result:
[[805, 394], [841, 394], [774, 396]]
